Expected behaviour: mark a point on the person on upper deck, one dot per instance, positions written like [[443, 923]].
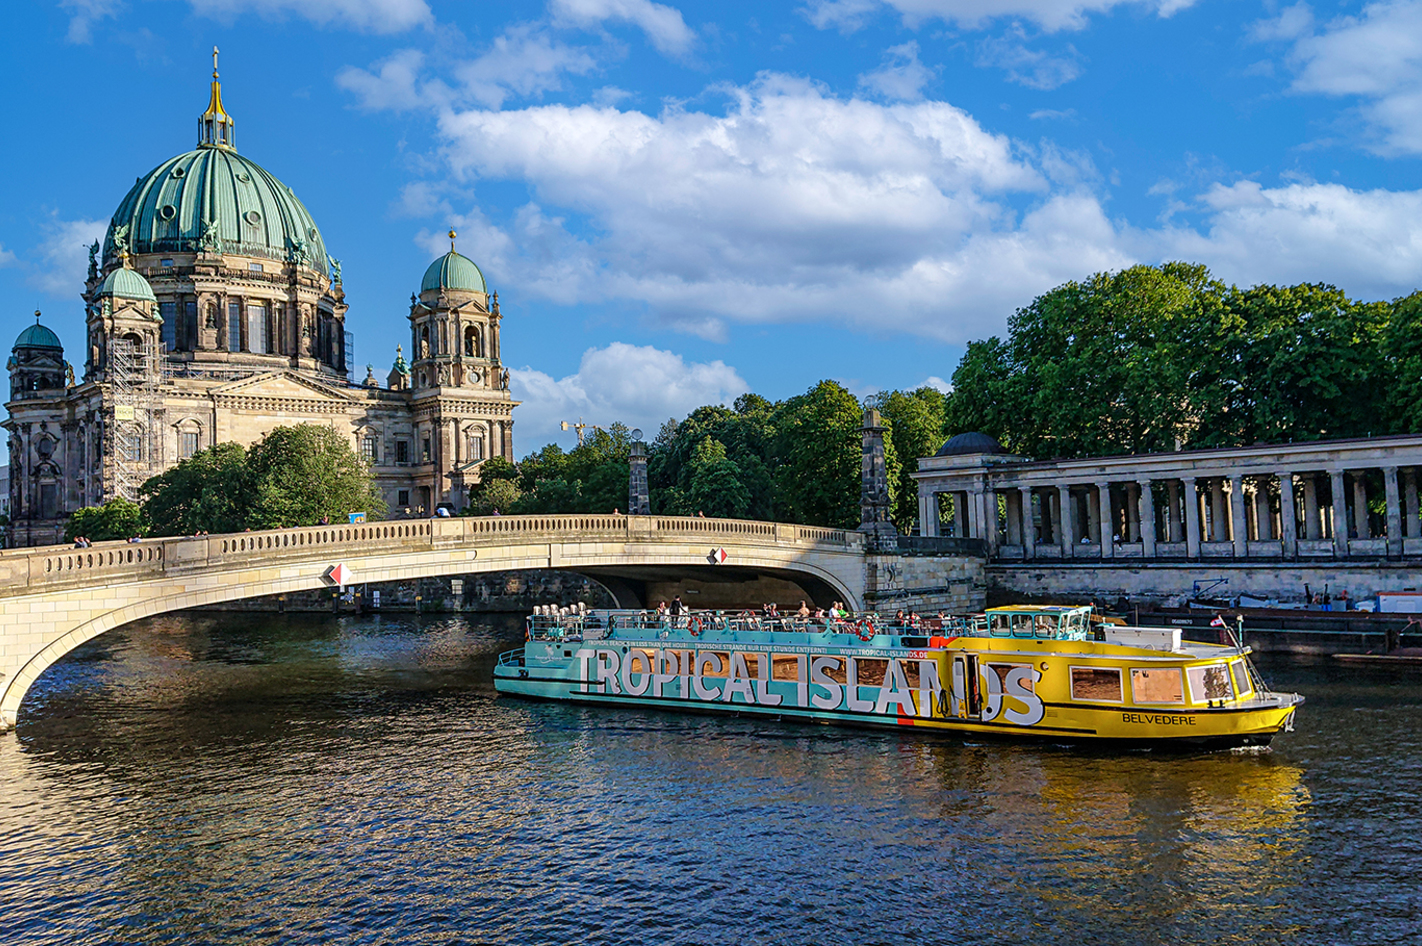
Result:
[[677, 608], [804, 611]]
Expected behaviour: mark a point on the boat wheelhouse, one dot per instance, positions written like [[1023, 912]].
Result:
[[1035, 672]]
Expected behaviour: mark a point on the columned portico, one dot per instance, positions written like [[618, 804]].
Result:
[[1214, 505]]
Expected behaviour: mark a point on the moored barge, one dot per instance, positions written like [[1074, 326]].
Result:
[[1030, 672]]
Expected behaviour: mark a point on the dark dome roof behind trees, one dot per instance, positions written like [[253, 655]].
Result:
[[970, 443]]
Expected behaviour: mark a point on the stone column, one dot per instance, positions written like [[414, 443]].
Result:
[[1191, 501], [1394, 512], [1146, 517], [1029, 529], [638, 501], [1313, 521], [1340, 516], [1219, 513], [1288, 528], [1134, 512], [962, 521], [1093, 515], [1236, 507], [990, 522], [1012, 499], [1360, 506], [974, 508], [874, 478], [1263, 515], [1173, 524], [1106, 521], [924, 500], [1410, 512], [1067, 532]]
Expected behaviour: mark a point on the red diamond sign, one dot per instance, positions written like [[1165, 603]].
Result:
[[717, 557], [340, 575]]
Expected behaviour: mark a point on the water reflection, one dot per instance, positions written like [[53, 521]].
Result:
[[301, 779]]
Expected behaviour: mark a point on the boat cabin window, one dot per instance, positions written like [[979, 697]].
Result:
[[1209, 683], [1096, 683], [998, 626], [836, 670], [712, 663], [1157, 685], [871, 671], [785, 667], [1046, 626], [1242, 686], [1022, 625], [910, 669], [753, 664]]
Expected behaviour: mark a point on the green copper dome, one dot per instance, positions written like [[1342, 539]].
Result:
[[37, 336], [127, 284], [215, 199], [452, 271]]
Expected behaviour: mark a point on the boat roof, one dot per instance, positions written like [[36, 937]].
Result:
[[1039, 608]]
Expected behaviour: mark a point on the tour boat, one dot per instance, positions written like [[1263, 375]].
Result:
[[1035, 672]]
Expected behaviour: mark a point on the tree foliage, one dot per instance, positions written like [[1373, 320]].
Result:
[[293, 476], [1153, 358], [116, 519]]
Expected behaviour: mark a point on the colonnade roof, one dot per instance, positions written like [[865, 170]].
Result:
[[962, 471]]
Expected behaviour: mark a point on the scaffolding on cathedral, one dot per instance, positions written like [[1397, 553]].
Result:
[[136, 373]]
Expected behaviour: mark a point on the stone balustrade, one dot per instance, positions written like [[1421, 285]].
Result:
[[25, 571]]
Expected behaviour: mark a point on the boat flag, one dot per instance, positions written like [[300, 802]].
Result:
[[717, 557], [1219, 622]]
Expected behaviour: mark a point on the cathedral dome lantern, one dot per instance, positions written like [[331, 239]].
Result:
[[453, 271], [37, 362], [125, 283], [454, 325], [214, 200]]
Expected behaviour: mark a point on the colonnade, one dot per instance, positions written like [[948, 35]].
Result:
[[1032, 510]]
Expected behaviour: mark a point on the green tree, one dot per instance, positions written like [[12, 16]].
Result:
[[116, 519], [500, 496], [305, 473], [208, 492], [916, 421], [819, 456], [716, 488]]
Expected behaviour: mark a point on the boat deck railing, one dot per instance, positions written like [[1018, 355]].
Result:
[[867, 625]]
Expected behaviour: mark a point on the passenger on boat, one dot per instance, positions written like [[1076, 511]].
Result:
[[900, 618], [804, 611], [661, 609]]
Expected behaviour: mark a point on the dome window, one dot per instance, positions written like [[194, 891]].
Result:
[[253, 217], [244, 177], [167, 211], [178, 172], [256, 268]]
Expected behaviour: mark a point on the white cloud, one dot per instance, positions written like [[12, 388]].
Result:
[[663, 25], [525, 61], [369, 16], [7, 258], [1050, 15], [1375, 56], [85, 13], [792, 205], [64, 256], [936, 383], [1030, 67], [901, 76], [1367, 242], [640, 386], [394, 85]]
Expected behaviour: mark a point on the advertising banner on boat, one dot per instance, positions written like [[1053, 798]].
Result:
[[902, 686]]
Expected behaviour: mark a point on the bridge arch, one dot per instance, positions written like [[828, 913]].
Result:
[[54, 599]]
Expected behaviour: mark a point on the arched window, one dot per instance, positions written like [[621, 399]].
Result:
[[472, 348], [424, 351]]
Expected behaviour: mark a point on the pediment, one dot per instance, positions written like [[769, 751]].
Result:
[[282, 384]]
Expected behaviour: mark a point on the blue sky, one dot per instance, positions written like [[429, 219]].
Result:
[[678, 202]]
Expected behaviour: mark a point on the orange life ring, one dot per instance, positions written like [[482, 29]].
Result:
[[693, 624], [862, 627]]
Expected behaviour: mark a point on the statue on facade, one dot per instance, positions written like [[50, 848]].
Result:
[[94, 260], [443, 374], [335, 265], [296, 252], [211, 315], [208, 241], [121, 242], [504, 380], [68, 375], [424, 349]]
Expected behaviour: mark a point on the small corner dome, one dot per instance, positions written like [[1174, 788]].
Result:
[[968, 444], [125, 283], [453, 271], [37, 336]]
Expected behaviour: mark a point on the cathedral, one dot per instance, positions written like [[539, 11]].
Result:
[[213, 312]]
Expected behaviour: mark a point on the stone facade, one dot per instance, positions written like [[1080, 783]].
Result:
[[217, 318]]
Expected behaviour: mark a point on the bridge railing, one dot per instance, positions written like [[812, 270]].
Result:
[[25, 571]]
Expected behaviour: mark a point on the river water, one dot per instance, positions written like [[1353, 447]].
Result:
[[244, 779]]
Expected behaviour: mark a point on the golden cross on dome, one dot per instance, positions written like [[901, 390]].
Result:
[[452, 235], [214, 62]]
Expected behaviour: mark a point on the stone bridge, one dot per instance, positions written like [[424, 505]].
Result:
[[54, 599]]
